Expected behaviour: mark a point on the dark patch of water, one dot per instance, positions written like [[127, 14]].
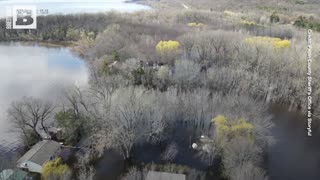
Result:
[[294, 156]]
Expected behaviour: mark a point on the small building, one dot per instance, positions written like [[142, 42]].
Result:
[[55, 133], [10, 174], [154, 175], [38, 155]]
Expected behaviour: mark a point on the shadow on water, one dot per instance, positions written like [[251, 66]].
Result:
[[294, 156]]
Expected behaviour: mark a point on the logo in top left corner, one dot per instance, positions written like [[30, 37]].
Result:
[[21, 17]]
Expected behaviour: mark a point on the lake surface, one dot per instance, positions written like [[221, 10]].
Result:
[[73, 6], [33, 70]]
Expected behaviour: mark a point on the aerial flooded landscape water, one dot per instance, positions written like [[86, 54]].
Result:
[[136, 90]]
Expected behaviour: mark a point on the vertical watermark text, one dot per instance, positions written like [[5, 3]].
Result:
[[309, 83]]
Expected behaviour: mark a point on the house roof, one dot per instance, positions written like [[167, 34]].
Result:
[[41, 152], [5, 174], [54, 129], [9, 174], [153, 175]]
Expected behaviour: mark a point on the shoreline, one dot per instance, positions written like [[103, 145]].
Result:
[[49, 44]]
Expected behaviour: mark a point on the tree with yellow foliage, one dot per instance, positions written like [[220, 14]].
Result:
[[231, 129], [276, 43], [239, 151], [281, 44], [55, 170], [194, 24], [168, 50], [167, 46]]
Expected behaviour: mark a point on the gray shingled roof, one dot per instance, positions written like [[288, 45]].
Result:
[[153, 175], [41, 152]]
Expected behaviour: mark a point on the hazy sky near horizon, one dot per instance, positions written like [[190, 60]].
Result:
[[46, 1], [73, 6]]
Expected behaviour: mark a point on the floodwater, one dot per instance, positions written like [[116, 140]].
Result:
[[295, 155], [28, 69]]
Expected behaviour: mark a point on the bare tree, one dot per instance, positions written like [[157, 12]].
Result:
[[186, 74], [134, 174], [208, 152], [84, 168], [244, 154], [170, 152], [248, 171], [30, 113], [86, 173], [127, 122]]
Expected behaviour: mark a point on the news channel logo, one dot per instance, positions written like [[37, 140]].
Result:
[[21, 17]]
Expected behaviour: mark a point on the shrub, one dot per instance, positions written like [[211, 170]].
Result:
[[167, 46], [194, 24], [281, 44], [71, 125], [276, 43], [248, 23], [238, 147], [55, 170], [163, 72], [186, 73], [193, 16], [274, 18], [300, 2], [115, 56], [310, 23], [229, 13], [301, 22], [137, 75], [282, 32], [232, 129], [168, 51]]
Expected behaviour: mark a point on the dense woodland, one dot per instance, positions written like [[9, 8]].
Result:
[[171, 78]]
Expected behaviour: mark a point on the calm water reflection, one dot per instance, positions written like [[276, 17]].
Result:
[[32, 70], [74, 6]]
